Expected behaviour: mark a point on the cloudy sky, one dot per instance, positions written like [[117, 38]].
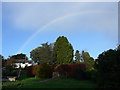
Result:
[[92, 26]]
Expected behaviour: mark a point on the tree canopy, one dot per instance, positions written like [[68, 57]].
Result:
[[42, 54], [20, 56], [108, 67], [63, 51], [88, 60], [77, 55]]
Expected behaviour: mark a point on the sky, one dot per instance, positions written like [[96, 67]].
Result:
[[89, 26]]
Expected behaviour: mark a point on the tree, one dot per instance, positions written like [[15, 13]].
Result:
[[2, 60], [63, 51], [20, 56], [42, 54], [10, 62], [118, 47], [1, 57], [85, 56], [89, 61], [108, 69], [77, 56], [34, 54]]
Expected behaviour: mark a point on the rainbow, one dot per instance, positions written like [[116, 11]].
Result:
[[53, 22]]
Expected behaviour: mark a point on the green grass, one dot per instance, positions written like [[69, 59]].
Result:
[[54, 83]]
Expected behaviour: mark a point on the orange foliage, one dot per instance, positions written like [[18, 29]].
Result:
[[31, 71], [69, 68]]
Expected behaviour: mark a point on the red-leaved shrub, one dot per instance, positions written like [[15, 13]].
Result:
[[31, 71], [69, 70]]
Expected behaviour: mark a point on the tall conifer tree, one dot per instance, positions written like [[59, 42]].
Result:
[[63, 51]]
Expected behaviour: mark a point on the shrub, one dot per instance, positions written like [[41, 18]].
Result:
[[23, 75], [31, 71], [62, 69], [44, 71], [80, 74], [91, 75], [55, 75], [9, 72], [69, 70], [108, 69], [74, 68]]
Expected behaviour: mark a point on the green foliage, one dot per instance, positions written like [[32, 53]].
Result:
[[63, 51], [118, 47], [77, 62], [108, 69], [42, 54], [2, 60], [89, 61], [85, 56], [23, 75], [91, 75], [20, 56], [80, 74], [34, 54], [77, 56], [10, 63], [44, 71], [9, 72], [1, 57]]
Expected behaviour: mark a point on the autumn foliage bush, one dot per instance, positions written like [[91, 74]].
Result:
[[31, 71], [44, 71], [70, 70]]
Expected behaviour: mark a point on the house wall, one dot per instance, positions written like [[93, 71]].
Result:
[[22, 65]]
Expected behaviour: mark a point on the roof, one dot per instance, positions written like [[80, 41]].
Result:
[[23, 61]]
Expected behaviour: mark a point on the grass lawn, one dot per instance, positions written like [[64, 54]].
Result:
[[53, 83]]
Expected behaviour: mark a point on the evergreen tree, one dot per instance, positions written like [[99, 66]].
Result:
[[63, 51], [77, 57], [89, 61], [108, 69], [85, 56]]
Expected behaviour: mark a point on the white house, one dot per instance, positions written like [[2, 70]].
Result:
[[23, 64]]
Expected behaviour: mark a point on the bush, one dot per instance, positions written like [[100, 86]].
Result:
[[69, 70], [62, 69], [31, 71], [23, 75], [108, 69], [91, 75], [74, 69], [44, 71], [80, 74], [55, 75], [9, 72]]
